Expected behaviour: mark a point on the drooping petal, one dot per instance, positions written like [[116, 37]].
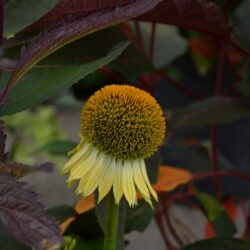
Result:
[[117, 188], [95, 175], [107, 180], [82, 151], [128, 183], [145, 176], [140, 181], [84, 165]]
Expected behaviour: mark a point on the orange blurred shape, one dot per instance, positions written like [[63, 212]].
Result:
[[203, 46], [170, 178], [85, 204]]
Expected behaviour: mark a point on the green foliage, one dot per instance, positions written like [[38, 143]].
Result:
[[51, 81], [214, 110], [222, 223], [219, 244], [61, 213], [19, 14]]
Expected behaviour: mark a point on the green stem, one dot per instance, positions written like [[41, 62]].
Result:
[[111, 228]]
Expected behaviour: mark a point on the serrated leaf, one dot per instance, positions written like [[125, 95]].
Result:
[[19, 14], [2, 141], [219, 244], [19, 170], [22, 216], [41, 84], [69, 31], [132, 62], [214, 110], [201, 15]]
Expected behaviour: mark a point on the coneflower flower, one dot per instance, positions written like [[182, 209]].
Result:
[[120, 127]]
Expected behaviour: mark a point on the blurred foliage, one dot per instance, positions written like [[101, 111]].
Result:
[[193, 56]]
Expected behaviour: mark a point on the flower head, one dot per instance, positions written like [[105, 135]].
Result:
[[120, 127]]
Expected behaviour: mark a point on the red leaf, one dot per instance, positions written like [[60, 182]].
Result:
[[24, 217], [74, 28], [199, 15], [78, 8]]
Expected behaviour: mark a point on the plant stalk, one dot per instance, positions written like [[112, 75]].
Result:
[[111, 228]]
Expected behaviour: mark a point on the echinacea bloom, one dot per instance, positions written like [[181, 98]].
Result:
[[120, 127]]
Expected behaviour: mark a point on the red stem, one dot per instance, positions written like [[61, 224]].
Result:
[[158, 220], [214, 155], [170, 226], [214, 159], [238, 47], [178, 85], [152, 42], [237, 174]]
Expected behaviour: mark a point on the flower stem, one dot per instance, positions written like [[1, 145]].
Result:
[[111, 228]]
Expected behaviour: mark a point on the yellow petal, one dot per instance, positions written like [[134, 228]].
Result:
[[128, 183], [94, 176], [145, 176], [84, 165], [107, 179], [75, 158], [117, 189], [140, 181]]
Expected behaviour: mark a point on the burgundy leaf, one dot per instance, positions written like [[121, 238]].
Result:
[[201, 15], [77, 8], [22, 216], [2, 142], [75, 28], [19, 170]]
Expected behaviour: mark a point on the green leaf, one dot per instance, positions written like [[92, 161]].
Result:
[[219, 244], [214, 110], [58, 147], [132, 62], [76, 243], [61, 213], [138, 218], [9, 243], [224, 226], [19, 14], [222, 223], [85, 226], [243, 23], [244, 86], [69, 31], [41, 84], [210, 204]]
